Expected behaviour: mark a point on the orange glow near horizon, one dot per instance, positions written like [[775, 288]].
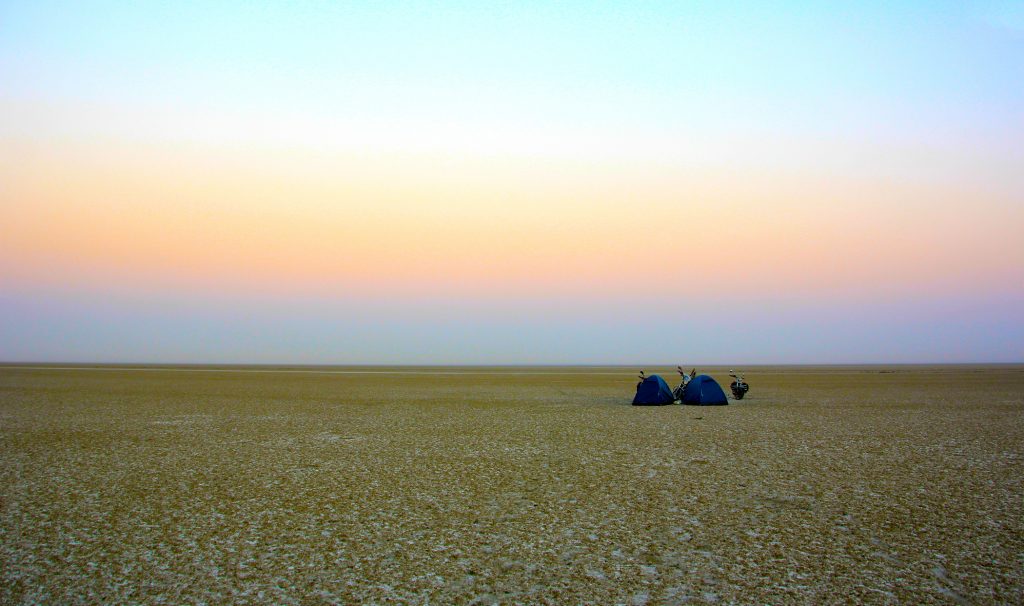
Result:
[[407, 224]]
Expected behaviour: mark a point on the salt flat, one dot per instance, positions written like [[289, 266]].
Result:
[[509, 485]]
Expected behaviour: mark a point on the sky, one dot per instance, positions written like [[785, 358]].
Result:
[[512, 183]]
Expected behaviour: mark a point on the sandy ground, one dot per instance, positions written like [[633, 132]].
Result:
[[826, 485]]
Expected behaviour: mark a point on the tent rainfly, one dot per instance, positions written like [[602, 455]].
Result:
[[704, 391], [653, 391]]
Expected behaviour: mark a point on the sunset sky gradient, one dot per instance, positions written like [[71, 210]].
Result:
[[512, 183]]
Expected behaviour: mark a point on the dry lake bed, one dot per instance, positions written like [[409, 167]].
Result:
[[509, 485]]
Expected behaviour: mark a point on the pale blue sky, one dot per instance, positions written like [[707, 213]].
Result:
[[735, 64]]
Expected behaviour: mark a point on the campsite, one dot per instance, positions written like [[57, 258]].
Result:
[[693, 390], [518, 485]]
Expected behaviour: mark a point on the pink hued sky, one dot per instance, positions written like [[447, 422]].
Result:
[[234, 202]]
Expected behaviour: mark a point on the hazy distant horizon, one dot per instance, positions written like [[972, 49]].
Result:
[[170, 365], [402, 183]]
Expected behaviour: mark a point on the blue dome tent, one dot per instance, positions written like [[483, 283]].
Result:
[[653, 391], [704, 391]]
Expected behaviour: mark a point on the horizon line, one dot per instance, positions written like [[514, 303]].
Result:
[[369, 366]]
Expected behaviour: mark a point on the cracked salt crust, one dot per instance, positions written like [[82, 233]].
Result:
[[824, 486]]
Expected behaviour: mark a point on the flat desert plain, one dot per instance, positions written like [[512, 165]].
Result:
[[509, 485]]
